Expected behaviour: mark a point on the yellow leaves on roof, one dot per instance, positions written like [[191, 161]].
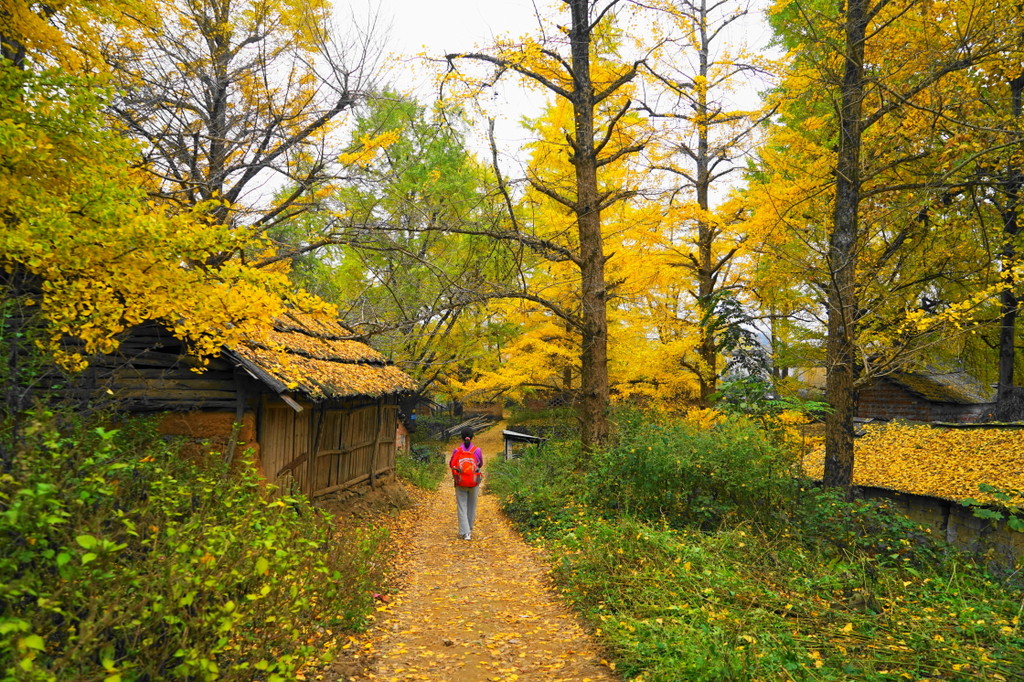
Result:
[[315, 354], [321, 378], [320, 323], [939, 462], [324, 349]]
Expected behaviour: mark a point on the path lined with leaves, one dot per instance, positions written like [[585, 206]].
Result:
[[477, 610]]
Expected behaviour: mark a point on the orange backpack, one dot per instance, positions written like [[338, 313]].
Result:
[[464, 468]]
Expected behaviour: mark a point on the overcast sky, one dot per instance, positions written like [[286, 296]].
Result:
[[449, 25], [436, 27], [440, 26]]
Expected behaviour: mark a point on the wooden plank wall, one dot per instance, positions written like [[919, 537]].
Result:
[[150, 371], [284, 439], [355, 440], [355, 444], [352, 441]]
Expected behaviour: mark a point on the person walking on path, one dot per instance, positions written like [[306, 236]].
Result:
[[463, 616], [466, 462]]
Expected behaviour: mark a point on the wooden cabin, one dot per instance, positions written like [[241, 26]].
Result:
[[927, 396], [314, 406]]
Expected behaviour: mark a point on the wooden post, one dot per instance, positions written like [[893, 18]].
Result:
[[316, 427], [236, 427], [378, 421]]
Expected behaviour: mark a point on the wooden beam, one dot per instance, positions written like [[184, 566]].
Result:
[[298, 461], [290, 402], [378, 418], [157, 387], [236, 426], [348, 484], [172, 394], [316, 423]]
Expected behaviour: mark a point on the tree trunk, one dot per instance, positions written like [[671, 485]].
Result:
[[706, 348], [594, 357], [1008, 302], [13, 50], [842, 295]]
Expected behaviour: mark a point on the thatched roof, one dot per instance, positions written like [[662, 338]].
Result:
[[955, 386], [316, 356]]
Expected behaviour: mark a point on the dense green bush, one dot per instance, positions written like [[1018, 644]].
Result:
[[764, 579], [742, 604], [121, 561], [689, 476], [864, 528], [537, 487]]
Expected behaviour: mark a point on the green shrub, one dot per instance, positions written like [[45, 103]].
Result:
[[673, 605], [739, 603], [750, 602], [538, 488], [863, 528], [686, 476], [120, 561], [425, 466], [1008, 506], [828, 590]]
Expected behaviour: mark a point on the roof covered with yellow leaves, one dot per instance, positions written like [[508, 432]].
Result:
[[939, 462], [315, 355]]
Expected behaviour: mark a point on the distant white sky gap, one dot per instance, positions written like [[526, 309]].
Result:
[[437, 27]]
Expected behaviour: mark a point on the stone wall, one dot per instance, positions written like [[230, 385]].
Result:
[[957, 525]]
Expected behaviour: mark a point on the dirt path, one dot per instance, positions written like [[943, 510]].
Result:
[[477, 610]]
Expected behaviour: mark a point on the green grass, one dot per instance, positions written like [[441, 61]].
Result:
[[786, 583]]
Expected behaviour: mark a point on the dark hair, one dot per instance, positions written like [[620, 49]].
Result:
[[466, 433]]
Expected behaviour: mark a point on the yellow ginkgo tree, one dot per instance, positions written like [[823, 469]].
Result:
[[847, 192], [575, 61], [546, 307], [85, 253], [231, 100], [90, 250], [695, 97]]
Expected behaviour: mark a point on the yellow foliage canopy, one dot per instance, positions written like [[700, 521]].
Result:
[[98, 256], [64, 33], [915, 240]]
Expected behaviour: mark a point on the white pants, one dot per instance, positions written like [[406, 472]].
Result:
[[465, 501]]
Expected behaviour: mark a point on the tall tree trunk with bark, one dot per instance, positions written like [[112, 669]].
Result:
[[571, 77], [842, 295], [594, 356], [1008, 301], [706, 136], [707, 349]]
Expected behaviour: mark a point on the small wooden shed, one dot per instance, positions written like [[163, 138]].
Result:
[[314, 405], [929, 396]]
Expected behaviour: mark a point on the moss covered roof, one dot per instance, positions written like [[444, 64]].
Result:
[[316, 356], [954, 386]]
